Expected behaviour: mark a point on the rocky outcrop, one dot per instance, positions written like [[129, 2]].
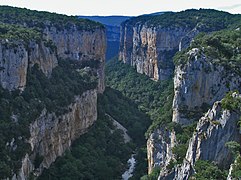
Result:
[[213, 131], [51, 135], [80, 45], [198, 84], [159, 148], [16, 58]]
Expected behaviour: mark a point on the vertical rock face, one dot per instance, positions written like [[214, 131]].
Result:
[[149, 42], [159, 146], [198, 84], [44, 56], [213, 131], [51, 135], [16, 57], [150, 49], [80, 45], [13, 65], [77, 44]]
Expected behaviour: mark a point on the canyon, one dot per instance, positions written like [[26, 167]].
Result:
[[182, 91]]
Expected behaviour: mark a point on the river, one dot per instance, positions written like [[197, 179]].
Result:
[[128, 173]]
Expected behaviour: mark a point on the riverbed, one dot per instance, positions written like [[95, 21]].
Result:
[[128, 173]]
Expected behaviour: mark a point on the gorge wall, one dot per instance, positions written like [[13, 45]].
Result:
[[79, 41], [149, 43], [201, 81], [51, 135], [200, 84], [150, 49]]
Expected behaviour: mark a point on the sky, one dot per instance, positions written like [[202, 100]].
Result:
[[122, 7]]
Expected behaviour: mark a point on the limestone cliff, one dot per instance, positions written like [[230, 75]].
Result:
[[61, 36], [202, 79], [45, 39], [213, 131], [150, 49], [80, 45], [159, 148], [51, 135], [16, 58], [149, 43], [198, 84]]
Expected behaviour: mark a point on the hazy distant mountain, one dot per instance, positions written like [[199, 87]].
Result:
[[108, 20]]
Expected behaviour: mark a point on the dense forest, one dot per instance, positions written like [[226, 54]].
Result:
[[39, 20], [208, 19]]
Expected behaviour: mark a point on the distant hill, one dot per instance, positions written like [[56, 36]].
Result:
[[108, 20]]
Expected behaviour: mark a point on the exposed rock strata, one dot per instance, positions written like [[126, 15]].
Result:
[[51, 135], [16, 58], [150, 49], [159, 148], [198, 84], [213, 131]]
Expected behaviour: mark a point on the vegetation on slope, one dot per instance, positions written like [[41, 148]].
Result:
[[13, 32], [222, 47], [18, 110], [231, 101], [38, 19], [101, 153], [153, 98], [206, 170], [206, 19]]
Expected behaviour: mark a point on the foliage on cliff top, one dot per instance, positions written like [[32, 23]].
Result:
[[41, 19], [208, 19], [18, 110], [222, 47], [232, 101], [13, 32], [154, 98]]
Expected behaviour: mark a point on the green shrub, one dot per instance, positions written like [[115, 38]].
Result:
[[207, 170]]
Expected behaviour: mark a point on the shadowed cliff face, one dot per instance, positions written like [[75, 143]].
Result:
[[217, 127], [197, 85]]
